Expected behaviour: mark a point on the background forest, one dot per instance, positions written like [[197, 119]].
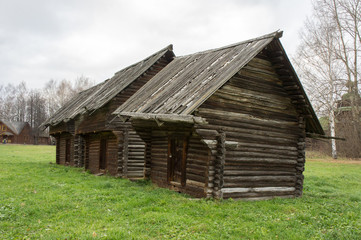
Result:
[[22, 104]]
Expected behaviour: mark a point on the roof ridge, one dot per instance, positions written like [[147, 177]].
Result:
[[169, 47], [275, 34]]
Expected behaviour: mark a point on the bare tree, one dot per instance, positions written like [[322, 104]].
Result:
[[57, 94], [82, 83], [328, 60], [20, 101], [319, 69], [35, 106], [346, 15]]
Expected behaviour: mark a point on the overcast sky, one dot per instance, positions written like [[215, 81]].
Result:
[[51, 39]]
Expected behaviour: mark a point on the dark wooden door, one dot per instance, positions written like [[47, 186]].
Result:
[[177, 159], [67, 150], [103, 154]]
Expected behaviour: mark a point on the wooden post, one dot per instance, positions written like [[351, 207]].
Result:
[[119, 136], [57, 158], [147, 159], [125, 152], [300, 159], [219, 165]]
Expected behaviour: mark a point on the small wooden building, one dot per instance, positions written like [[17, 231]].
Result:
[[83, 129], [15, 132], [226, 123]]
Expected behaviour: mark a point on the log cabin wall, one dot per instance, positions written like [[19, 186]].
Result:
[[158, 164], [264, 151], [25, 136], [65, 131], [79, 148], [131, 146], [93, 149], [66, 154], [135, 151], [196, 161], [197, 173], [130, 149], [20, 134]]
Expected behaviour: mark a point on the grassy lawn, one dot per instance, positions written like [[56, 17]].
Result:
[[39, 200]]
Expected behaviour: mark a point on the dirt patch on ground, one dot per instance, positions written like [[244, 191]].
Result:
[[343, 161]]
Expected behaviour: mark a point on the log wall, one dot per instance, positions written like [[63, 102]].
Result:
[[197, 159], [92, 153], [79, 148], [135, 155], [130, 147], [263, 145], [61, 148]]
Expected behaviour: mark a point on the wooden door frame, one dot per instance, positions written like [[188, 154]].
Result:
[[170, 159]]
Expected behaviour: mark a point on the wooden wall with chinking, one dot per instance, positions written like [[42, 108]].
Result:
[[131, 146], [263, 132]]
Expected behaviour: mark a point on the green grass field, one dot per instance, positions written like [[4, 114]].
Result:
[[39, 200]]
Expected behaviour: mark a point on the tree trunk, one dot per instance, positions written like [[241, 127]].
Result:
[[333, 134]]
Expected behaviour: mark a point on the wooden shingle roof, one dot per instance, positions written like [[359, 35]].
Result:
[[188, 81], [95, 97]]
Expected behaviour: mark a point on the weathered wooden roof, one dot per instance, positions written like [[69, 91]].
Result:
[[15, 127], [188, 81], [94, 98]]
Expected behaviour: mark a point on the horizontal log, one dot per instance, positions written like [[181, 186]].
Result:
[[259, 154], [259, 178], [258, 184], [195, 183], [236, 116], [195, 177], [259, 167], [207, 132], [261, 198], [230, 160], [256, 173], [267, 146], [260, 138], [292, 153], [259, 189]]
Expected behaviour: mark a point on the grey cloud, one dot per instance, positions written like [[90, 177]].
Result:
[[43, 40]]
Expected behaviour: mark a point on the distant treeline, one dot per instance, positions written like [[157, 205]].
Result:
[[20, 103]]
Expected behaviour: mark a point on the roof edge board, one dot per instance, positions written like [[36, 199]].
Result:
[[314, 116]]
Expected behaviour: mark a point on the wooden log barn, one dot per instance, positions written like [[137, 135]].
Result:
[[225, 123], [84, 135], [15, 132]]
